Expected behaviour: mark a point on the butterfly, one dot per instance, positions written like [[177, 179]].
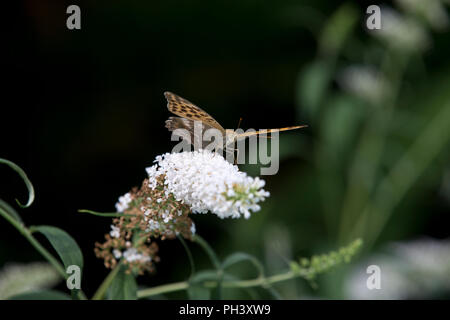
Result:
[[189, 115]]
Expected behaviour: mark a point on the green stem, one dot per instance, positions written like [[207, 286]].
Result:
[[212, 255], [44, 252], [104, 214], [216, 262], [100, 293], [166, 288], [189, 254], [260, 281]]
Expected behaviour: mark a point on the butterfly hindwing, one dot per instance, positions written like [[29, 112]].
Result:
[[188, 132]]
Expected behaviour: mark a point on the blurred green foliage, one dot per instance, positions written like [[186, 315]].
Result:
[[380, 145]]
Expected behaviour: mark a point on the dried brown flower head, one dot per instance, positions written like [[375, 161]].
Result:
[[149, 214]]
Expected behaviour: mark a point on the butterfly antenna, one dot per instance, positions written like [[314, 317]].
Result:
[[239, 123]]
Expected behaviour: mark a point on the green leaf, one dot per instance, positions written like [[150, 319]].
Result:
[[123, 287], [312, 86], [205, 275], [274, 293], [66, 247], [196, 290], [27, 181], [340, 121], [104, 214], [41, 295], [7, 209], [209, 251], [241, 257], [338, 29], [252, 292]]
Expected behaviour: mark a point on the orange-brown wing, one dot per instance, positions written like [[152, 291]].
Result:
[[183, 108], [266, 131]]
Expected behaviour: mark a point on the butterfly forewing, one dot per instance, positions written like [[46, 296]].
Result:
[[190, 113], [185, 109]]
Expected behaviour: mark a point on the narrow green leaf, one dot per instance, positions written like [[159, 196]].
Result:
[[241, 257], [205, 275], [104, 214], [66, 247], [6, 208], [41, 295], [123, 287], [274, 293], [313, 83], [27, 181], [196, 290], [338, 29], [209, 251]]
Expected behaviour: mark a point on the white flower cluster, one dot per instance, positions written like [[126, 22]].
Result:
[[153, 223], [123, 203], [207, 182], [402, 32], [131, 255], [115, 232], [433, 11], [363, 81]]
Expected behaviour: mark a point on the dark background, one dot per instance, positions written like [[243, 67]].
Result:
[[83, 114]]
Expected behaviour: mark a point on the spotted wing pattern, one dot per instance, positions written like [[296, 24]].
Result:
[[185, 109]]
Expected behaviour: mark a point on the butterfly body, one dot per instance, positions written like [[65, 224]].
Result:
[[230, 137], [190, 115]]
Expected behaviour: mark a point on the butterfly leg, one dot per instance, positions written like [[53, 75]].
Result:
[[231, 152], [237, 155]]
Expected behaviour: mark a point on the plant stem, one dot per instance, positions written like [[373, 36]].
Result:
[[165, 288], [189, 254], [212, 255], [99, 294], [44, 252], [260, 281], [215, 261], [104, 214]]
